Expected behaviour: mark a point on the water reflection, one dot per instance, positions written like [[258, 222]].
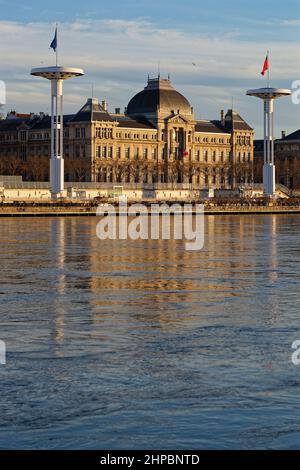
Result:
[[161, 276], [110, 339]]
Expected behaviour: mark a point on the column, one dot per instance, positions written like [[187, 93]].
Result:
[[57, 162]]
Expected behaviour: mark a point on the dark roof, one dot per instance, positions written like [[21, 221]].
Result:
[[127, 122], [12, 124], [234, 122], [293, 136], [210, 126], [92, 111], [35, 123], [45, 122], [259, 145], [158, 94]]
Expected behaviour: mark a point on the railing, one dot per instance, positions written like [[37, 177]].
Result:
[[132, 186], [25, 185], [17, 184]]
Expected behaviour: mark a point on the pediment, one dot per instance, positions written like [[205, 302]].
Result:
[[177, 119], [23, 127]]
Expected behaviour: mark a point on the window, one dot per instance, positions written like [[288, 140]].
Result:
[[77, 132], [127, 152], [206, 155], [104, 153], [119, 152], [145, 154], [214, 156], [82, 132], [198, 155], [110, 152], [154, 154], [222, 156], [98, 150]]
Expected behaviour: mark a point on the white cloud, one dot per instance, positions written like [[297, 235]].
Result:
[[117, 56], [295, 22]]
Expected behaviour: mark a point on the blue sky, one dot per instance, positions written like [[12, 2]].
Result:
[[246, 16], [118, 43]]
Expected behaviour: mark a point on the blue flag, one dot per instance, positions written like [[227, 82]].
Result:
[[53, 44]]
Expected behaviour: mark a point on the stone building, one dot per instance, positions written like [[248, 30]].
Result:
[[287, 160], [156, 140]]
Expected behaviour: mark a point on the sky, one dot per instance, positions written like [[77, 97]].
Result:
[[119, 43]]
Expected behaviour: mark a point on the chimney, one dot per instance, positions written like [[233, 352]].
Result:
[[222, 117], [125, 110], [117, 110], [104, 105], [283, 134]]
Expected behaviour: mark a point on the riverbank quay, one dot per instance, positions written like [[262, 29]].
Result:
[[58, 209]]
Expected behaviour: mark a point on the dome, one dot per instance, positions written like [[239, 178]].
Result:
[[158, 96]]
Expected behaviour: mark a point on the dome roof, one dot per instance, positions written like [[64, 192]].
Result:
[[158, 96]]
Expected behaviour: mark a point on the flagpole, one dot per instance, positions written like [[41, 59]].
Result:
[[268, 55], [56, 50]]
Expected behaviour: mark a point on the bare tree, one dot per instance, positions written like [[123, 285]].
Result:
[[38, 168], [80, 167], [13, 165]]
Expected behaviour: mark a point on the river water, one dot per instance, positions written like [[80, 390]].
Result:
[[142, 344]]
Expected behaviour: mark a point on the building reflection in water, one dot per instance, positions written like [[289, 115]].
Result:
[[158, 281], [58, 255], [163, 274]]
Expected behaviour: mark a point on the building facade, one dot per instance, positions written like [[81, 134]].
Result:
[[287, 160], [156, 140]]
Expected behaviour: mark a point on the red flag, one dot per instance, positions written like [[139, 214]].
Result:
[[266, 66], [185, 153]]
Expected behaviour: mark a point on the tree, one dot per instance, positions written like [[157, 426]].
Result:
[[79, 167], [13, 165], [38, 168]]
